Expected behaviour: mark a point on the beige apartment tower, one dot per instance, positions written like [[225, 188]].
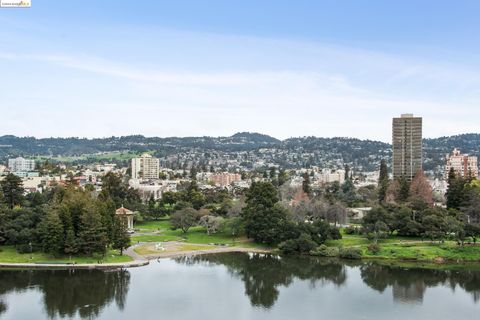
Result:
[[407, 146], [145, 168]]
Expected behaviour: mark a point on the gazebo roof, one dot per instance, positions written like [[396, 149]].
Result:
[[124, 211]]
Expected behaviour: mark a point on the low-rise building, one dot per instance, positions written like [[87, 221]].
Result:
[[463, 164], [224, 179]]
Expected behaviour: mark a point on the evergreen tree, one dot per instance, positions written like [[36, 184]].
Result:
[[71, 244], [383, 181], [92, 236], [12, 190], [347, 172], [348, 192], [121, 239], [404, 191], [306, 183], [264, 219], [51, 233], [456, 190], [282, 177]]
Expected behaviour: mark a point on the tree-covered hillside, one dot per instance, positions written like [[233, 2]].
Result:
[[364, 155]]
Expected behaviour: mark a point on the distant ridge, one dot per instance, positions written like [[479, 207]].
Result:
[[362, 153]]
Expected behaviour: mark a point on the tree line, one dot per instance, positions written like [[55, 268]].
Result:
[[64, 220]]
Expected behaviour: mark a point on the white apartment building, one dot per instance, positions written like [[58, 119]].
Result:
[[21, 164], [328, 176], [145, 168]]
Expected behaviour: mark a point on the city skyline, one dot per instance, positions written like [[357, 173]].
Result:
[[320, 69]]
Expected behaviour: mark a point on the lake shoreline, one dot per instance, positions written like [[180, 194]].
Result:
[[71, 266], [139, 260]]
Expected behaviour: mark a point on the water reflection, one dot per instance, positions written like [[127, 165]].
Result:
[[410, 284], [67, 292], [262, 276], [154, 292]]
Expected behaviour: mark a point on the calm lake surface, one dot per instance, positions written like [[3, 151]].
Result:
[[243, 286]]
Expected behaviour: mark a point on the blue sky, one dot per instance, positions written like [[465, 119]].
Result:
[[284, 68]]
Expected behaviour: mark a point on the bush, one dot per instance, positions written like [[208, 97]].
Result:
[[138, 217], [350, 230], [324, 251], [374, 248], [24, 248], [350, 253], [303, 244]]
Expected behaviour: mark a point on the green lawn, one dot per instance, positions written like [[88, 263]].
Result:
[[160, 231], [9, 254], [426, 252], [358, 240]]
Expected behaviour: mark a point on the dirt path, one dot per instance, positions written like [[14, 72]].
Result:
[[170, 254]]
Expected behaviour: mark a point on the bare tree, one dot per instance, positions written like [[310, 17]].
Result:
[[211, 223], [420, 188]]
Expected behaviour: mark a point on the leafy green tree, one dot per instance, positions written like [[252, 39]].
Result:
[[404, 222], [121, 238], [233, 226], [12, 190], [302, 244], [435, 224], [472, 230], [377, 214], [380, 231], [184, 219]]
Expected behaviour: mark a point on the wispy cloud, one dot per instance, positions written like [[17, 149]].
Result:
[[283, 88]]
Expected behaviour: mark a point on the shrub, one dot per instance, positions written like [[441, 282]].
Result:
[[303, 244], [24, 248], [324, 251], [138, 217], [350, 253], [350, 230], [374, 248]]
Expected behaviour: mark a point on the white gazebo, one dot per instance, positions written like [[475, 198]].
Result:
[[126, 214]]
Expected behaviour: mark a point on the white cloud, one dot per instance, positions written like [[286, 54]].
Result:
[[284, 89]]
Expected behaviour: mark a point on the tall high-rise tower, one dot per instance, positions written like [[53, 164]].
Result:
[[407, 146], [146, 167]]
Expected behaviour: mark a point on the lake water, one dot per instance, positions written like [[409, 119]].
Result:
[[243, 286]]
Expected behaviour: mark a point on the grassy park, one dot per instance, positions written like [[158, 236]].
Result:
[[8, 254], [161, 231], [415, 249]]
